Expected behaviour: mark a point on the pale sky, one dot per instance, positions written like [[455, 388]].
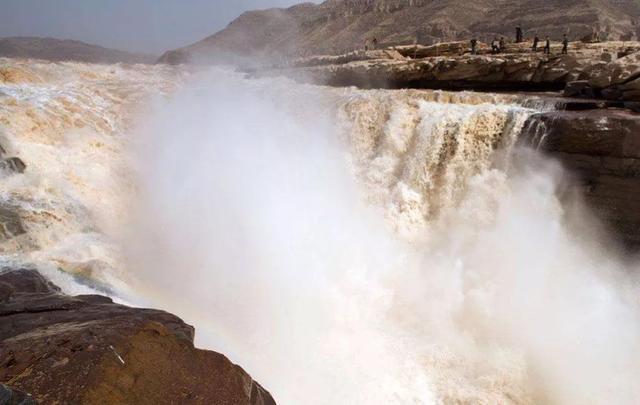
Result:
[[151, 26]]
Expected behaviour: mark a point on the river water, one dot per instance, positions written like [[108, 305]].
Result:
[[342, 245]]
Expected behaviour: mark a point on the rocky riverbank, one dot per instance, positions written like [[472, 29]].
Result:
[[610, 70], [88, 350]]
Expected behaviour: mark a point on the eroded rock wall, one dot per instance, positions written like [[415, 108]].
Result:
[[601, 150]]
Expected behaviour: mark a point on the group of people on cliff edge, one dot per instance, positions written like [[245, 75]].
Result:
[[498, 45]]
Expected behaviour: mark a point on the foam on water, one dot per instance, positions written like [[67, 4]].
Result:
[[343, 246]]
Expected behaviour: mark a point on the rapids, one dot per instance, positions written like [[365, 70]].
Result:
[[342, 245]]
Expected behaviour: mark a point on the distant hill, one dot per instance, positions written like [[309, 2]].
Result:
[[65, 50], [337, 26]]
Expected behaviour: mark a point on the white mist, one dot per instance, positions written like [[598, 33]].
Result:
[[253, 227]]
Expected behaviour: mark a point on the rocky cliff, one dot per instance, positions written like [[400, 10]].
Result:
[[88, 350], [593, 132], [65, 50], [338, 26], [609, 70], [601, 150]]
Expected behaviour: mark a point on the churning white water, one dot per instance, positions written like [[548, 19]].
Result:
[[376, 247], [351, 247]]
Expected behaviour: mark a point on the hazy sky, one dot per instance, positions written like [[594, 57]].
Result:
[[151, 26]]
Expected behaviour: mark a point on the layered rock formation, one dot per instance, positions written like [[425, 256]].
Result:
[[65, 50], [338, 26], [609, 69], [601, 149], [88, 350]]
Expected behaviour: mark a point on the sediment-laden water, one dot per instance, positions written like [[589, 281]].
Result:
[[344, 246]]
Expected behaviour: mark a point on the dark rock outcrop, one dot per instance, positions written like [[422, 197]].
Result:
[[88, 350], [10, 164], [10, 222], [579, 88], [66, 50], [13, 165], [601, 149], [9, 396]]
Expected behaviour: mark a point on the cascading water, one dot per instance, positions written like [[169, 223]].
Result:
[[417, 156], [344, 246]]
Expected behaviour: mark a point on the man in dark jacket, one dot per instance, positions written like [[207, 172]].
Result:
[[518, 35], [501, 44], [474, 46], [535, 43], [565, 45]]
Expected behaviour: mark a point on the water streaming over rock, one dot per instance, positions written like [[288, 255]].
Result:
[[344, 246], [417, 155]]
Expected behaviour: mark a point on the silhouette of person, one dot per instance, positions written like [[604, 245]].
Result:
[[547, 46], [474, 46], [502, 45], [535, 43], [518, 34], [375, 43], [565, 45]]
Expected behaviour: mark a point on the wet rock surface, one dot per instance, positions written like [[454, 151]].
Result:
[[88, 350], [601, 149], [10, 223], [13, 165]]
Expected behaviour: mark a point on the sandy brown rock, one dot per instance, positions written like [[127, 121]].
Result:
[[88, 350], [582, 72]]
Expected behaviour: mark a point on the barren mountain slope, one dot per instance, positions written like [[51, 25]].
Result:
[[65, 50], [336, 26]]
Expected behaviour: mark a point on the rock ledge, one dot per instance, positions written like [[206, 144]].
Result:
[[88, 350]]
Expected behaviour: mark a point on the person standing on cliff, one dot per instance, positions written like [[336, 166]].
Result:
[[375, 43], [535, 43], [547, 46], [495, 45], [501, 44], [474, 46], [518, 35], [565, 45]]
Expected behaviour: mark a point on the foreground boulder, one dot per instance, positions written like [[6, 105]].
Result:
[[601, 149], [89, 350]]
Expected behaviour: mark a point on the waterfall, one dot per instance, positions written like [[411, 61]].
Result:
[[417, 157], [344, 246]]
